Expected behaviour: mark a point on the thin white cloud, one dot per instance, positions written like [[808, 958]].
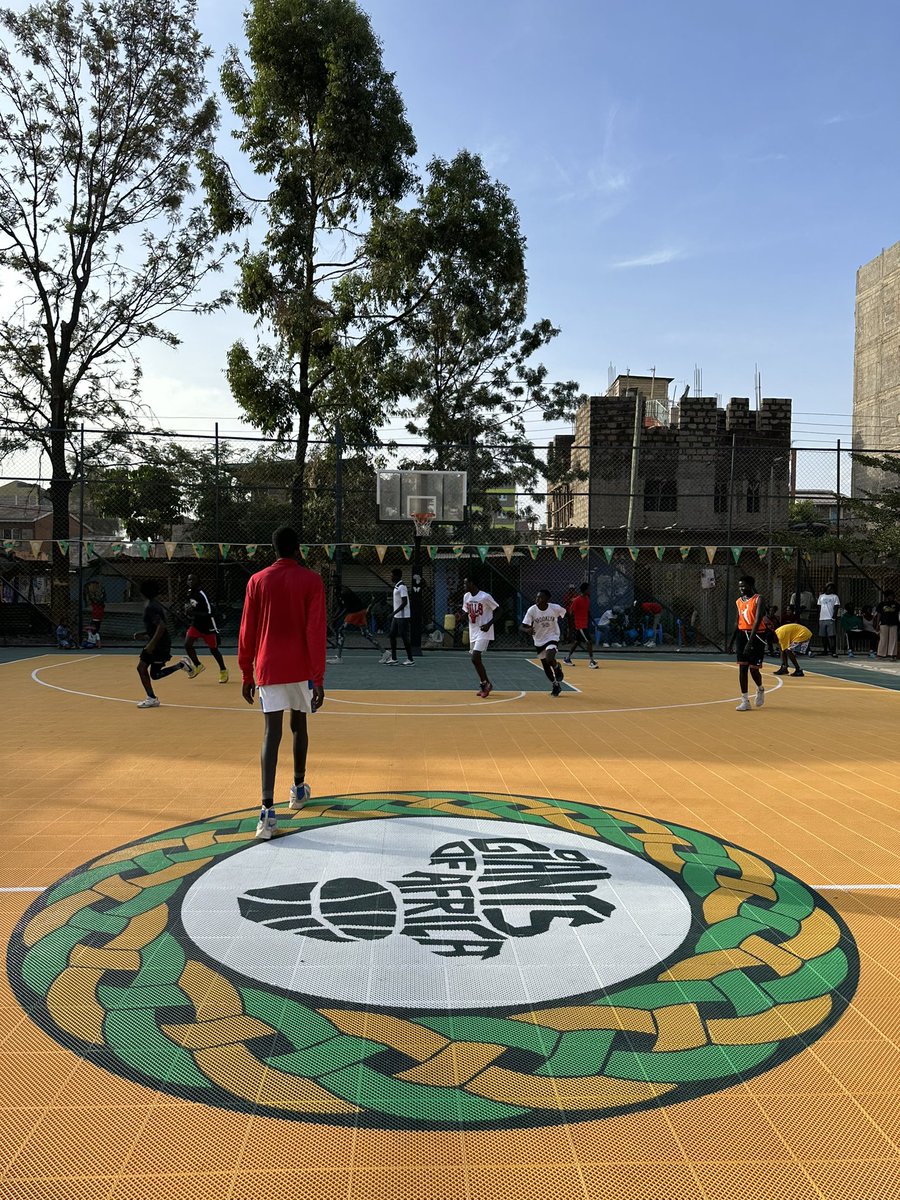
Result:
[[656, 258], [837, 119]]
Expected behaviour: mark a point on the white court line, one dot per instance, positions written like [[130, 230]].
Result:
[[570, 686], [26, 658], [481, 710], [394, 704], [23, 889], [816, 887]]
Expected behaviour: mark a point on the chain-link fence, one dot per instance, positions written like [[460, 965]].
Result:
[[670, 528]]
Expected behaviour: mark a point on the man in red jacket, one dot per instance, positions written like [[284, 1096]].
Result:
[[283, 634]]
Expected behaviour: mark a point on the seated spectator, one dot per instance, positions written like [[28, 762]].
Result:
[[604, 625], [91, 639], [852, 625], [63, 637]]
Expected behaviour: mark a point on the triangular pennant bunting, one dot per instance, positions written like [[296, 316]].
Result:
[[381, 551], [660, 551], [37, 549], [634, 551], [432, 552], [199, 549], [762, 551], [224, 547], [508, 551], [355, 548], [609, 551], [736, 552], [304, 552], [170, 548], [330, 548], [584, 551], [9, 546], [407, 552], [684, 551], [251, 549], [787, 551], [89, 549], [533, 551], [710, 552], [63, 545], [559, 551], [116, 548], [482, 552], [144, 548], [456, 551]]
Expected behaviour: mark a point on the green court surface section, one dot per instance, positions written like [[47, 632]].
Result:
[[442, 671]]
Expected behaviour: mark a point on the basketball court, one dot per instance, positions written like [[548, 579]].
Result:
[[621, 943]]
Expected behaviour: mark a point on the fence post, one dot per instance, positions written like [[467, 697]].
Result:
[[218, 531], [81, 537], [838, 638], [338, 513], [729, 529]]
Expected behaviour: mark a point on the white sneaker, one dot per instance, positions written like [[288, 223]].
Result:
[[299, 796], [149, 702], [267, 824], [593, 665], [760, 697], [744, 705], [337, 659], [390, 662], [409, 662], [188, 667], [385, 658]]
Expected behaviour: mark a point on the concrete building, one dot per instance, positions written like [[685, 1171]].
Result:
[[876, 364], [701, 472]]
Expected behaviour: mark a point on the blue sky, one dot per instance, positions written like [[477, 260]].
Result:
[[698, 182]]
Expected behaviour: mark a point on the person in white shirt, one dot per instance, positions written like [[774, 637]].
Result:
[[542, 622], [480, 608], [828, 603], [399, 622], [603, 628]]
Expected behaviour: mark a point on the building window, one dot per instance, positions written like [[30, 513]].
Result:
[[720, 496], [661, 495], [753, 496]]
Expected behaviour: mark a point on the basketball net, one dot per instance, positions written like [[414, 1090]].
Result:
[[422, 522]]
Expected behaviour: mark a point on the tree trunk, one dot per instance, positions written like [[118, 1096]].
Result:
[[60, 490], [298, 481]]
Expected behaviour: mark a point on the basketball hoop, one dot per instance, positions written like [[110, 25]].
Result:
[[422, 522]]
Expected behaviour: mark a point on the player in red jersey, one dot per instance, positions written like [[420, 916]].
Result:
[[580, 611], [282, 638]]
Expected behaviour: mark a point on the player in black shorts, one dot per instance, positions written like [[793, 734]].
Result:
[[158, 650], [748, 641], [352, 615], [202, 628]]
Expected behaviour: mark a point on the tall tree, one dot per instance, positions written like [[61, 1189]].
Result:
[[324, 129], [453, 267], [103, 111]]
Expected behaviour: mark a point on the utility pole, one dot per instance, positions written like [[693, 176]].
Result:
[[635, 455]]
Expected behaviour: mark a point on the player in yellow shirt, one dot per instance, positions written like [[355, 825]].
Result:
[[790, 638]]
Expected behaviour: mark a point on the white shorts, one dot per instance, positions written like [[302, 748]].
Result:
[[284, 697], [799, 645], [542, 650], [479, 640]]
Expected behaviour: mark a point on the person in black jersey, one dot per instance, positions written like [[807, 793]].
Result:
[[352, 615], [158, 650], [202, 629]]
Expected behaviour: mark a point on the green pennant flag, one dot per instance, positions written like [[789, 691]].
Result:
[[634, 551], [736, 552], [482, 552], [407, 552], [762, 551], [9, 546], [584, 551], [144, 548], [89, 549], [251, 549], [533, 551], [115, 548], [355, 548], [330, 548], [304, 552], [684, 551], [432, 552], [224, 547], [63, 545], [559, 551], [609, 551], [787, 551], [660, 551], [199, 549]]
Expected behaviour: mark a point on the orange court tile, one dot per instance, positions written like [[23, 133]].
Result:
[[623, 945]]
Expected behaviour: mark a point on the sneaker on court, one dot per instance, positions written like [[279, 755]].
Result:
[[760, 697], [486, 688], [299, 796], [556, 689], [336, 659], [593, 664], [568, 659], [797, 674], [409, 662], [223, 675], [385, 658], [189, 668], [781, 671], [149, 702], [267, 824], [390, 662], [744, 705]]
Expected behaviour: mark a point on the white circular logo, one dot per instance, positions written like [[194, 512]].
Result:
[[414, 914]]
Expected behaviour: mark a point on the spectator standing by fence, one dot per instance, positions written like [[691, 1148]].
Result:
[[888, 619]]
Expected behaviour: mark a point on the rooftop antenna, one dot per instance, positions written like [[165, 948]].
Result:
[[757, 385], [610, 374], [698, 381]]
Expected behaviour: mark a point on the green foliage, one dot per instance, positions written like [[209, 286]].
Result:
[[801, 510], [875, 516], [452, 269], [146, 499], [103, 115], [323, 128]]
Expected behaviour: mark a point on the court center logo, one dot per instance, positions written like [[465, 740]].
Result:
[[434, 960]]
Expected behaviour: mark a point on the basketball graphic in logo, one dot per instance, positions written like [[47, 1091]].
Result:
[[419, 960]]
